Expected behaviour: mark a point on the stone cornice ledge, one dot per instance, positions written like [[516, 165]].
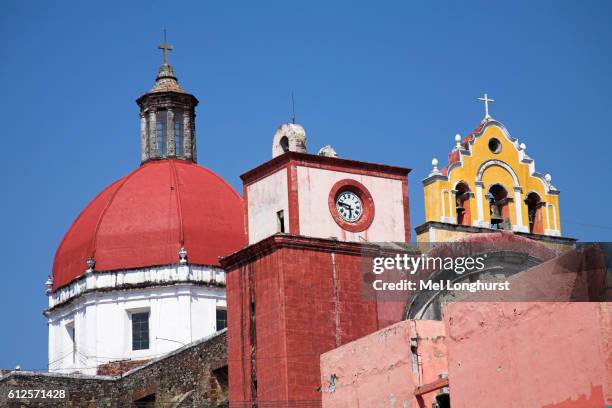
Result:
[[136, 278], [280, 240], [472, 229]]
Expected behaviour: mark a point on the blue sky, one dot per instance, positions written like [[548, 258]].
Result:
[[389, 82]]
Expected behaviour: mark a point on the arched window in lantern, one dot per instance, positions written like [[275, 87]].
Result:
[[534, 211], [161, 123], [178, 134], [462, 203], [499, 209]]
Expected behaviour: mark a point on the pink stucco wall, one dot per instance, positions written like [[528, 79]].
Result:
[[314, 186], [530, 354], [265, 198], [378, 370]]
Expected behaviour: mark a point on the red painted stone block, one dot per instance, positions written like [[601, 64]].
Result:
[[306, 295]]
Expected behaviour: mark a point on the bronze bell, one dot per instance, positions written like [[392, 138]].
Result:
[[459, 202], [496, 216], [459, 206], [531, 212], [495, 220]]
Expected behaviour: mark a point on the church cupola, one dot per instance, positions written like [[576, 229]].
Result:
[[167, 117]]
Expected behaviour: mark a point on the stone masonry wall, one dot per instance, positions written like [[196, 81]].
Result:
[[192, 376]]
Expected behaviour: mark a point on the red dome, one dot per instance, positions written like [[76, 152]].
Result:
[[144, 218]]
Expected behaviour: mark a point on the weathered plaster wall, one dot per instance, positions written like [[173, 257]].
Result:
[[265, 198], [530, 354], [314, 186], [286, 307], [382, 370]]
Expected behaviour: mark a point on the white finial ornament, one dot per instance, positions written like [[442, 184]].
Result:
[[457, 141], [523, 146], [91, 263], [182, 256], [434, 165], [486, 101], [548, 178], [49, 283], [328, 151]]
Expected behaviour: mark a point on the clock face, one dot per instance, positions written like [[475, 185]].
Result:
[[349, 206]]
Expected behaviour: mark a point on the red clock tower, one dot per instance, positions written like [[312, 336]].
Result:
[[296, 290]]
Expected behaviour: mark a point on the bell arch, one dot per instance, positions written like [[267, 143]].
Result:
[[534, 210], [499, 208], [518, 214], [462, 203]]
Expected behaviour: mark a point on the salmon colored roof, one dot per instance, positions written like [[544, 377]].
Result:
[[454, 155], [144, 218]]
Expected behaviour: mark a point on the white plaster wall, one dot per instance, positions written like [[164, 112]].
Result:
[[265, 198], [182, 312], [314, 186]]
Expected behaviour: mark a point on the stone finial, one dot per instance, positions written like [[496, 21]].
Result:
[[289, 137], [182, 256], [551, 187], [434, 165], [523, 146], [91, 263], [49, 284], [458, 141], [328, 151]]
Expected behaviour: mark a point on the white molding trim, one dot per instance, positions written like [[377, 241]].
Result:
[[160, 275], [518, 206], [495, 162], [479, 205], [451, 213], [554, 214], [520, 228]]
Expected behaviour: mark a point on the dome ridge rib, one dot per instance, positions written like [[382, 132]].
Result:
[[178, 203], [106, 207]]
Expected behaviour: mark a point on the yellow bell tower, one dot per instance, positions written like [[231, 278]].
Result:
[[490, 183]]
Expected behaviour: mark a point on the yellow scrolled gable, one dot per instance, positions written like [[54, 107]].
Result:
[[491, 182]]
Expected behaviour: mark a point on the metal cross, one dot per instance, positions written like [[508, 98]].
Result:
[[486, 101], [165, 47]]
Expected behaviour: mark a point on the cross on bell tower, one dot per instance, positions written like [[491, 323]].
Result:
[[486, 101]]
